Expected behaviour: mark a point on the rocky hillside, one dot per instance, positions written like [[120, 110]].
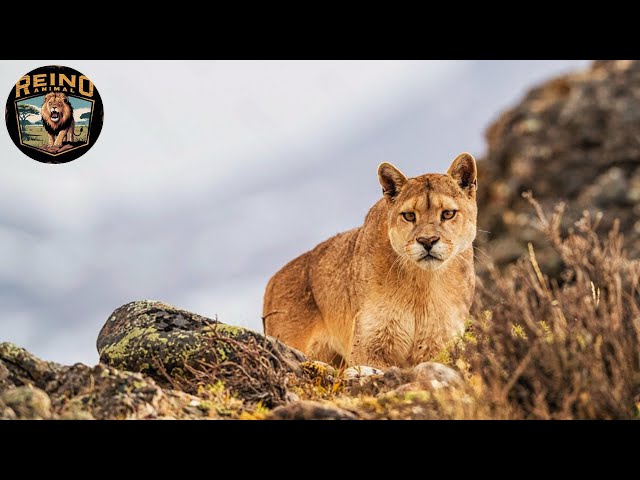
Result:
[[575, 139], [160, 362], [534, 347]]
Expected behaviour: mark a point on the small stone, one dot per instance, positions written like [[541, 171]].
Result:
[[407, 387], [291, 397], [6, 413], [394, 377], [76, 414], [434, 376], [28, 403], [310, 410], [361, 371]]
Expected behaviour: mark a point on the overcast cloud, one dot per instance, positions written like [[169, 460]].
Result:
[[209, 176]]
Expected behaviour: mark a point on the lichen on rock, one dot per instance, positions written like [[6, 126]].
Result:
[[175, 346], [31, 388], [27, 403]]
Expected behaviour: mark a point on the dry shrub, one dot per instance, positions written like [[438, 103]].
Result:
[[563, 348], [246, 369]]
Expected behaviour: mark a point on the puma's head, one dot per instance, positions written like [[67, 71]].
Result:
[[432, 218]]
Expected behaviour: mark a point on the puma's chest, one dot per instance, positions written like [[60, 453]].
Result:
[[389, 333]]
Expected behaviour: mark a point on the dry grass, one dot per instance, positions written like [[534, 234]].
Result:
[[246, 370], [564, 348]]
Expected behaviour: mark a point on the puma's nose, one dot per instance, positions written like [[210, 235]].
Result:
[[427, 242]]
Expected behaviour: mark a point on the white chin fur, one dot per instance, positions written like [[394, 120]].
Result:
[[430, 265]]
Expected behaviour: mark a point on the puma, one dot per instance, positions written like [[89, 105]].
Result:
[[394, 291]]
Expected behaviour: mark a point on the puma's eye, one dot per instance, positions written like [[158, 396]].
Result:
[[409, 216], [448, 214]]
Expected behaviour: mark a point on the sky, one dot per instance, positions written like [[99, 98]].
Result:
[[209, 176]]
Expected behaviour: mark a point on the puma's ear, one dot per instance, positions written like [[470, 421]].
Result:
[[463, 170], [391, 180]]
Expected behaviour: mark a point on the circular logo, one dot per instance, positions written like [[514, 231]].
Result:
[[54, 114]]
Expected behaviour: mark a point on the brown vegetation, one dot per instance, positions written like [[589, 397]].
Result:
[[560, 348]]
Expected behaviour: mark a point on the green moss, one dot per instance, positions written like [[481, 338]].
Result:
[[144, 367], [206, 406], [318, 369], [214, 389], [155, 336], [226, 330], [417, 395], [10, 351], [221, 354], [121, 349], [260, 412], [218, 398], [443, 356]]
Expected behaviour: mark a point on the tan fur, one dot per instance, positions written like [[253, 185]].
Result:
[[60, 103], [365, 296]]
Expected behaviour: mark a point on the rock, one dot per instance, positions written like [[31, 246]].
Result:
[[406, 388], [28, 403], [310, 410], [573, 139], [426, 376], [434, 376], [394, 377], [167, 343], [363, 380], [361, 371], [29, 387], [18, 367], [319, 373], [6, 413], [291, 397], [76, 414], [316, 368]]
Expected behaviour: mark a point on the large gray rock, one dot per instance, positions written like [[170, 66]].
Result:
[[574, 139], [173, 345]]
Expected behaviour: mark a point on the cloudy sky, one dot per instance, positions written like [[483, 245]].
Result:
[[209, 176]]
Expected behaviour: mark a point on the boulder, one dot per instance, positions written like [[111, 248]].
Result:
[[573, 139], [181, 348]]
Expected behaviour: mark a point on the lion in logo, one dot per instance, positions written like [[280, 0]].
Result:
[[57, 118]]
